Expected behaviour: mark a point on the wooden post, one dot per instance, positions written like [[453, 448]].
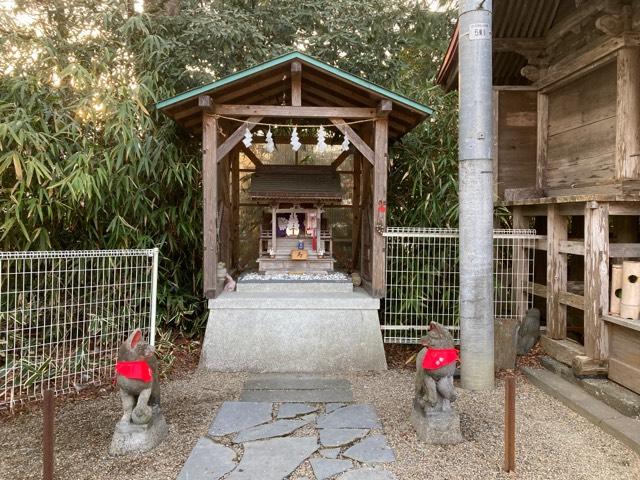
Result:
[[596, 279], [378, 254], [210, 202], [556, 273], [542, 140], [520, 255], [296, 84], [48, 435], [355, 209], [496, 143], [274, 228], [235, 209], [366, 223], [510, 423], [628, 114]]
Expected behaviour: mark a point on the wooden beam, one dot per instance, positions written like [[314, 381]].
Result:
[[341, 158], [379, 206], [296, 84], [210, 203], [628, 115], [354, 138], [384, 107], [542, 140], [572, 300], [518, 45], [596, 279], [250, 88], [233, 139], [235, 208], [556, 273], [205, 102], [572, 22], [294, 112], [562, 350], [250, 155], [356, 210]]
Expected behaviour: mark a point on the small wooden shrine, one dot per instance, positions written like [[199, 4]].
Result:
[[292, 93], [566, 159]]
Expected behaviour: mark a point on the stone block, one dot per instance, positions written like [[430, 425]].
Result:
[[131, 438], [529, 331], [442, 428], [505, 337]]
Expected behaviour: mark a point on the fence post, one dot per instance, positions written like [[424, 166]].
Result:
[[510, 423], [48, 435], [154, 296]]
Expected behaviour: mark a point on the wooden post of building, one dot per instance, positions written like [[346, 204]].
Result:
[[556, 273], [628, 114], [235, 201], [274, 227], [355, 209], [209, 197], [520, 258], [378, 254], [510, 423], [596, 279]]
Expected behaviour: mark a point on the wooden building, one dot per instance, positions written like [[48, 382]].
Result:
[[294, 89], [566, 157]]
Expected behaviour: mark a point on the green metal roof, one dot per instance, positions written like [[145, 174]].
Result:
[[189, 94]]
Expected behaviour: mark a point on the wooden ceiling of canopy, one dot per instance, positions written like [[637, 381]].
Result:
[[270, 84]]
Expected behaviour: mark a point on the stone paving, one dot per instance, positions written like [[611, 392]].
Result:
[[275, 440]]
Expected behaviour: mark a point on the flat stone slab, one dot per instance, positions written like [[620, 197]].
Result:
[[330, 407], [235, 416], [326, 468], [273, 459], [292, 410], [336, 437], [330, 452], [373, 449], [353, 416], [278, 428], [297, 396], [279, 381], [208, 461], [367, 474]]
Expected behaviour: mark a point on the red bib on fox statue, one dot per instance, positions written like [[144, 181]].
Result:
[[137, 370], [439, 357]]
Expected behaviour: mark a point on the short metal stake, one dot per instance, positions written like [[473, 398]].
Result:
[[48, 411], [510, 423]]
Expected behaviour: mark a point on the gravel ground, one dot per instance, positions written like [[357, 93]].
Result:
[[552, 441]]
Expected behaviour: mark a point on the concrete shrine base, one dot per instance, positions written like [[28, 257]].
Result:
[[289, 330]]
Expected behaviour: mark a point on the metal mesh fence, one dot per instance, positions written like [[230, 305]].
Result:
[[63, 316], [423, 282]]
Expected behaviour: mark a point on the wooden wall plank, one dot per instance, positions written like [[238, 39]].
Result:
[[542, 140], [596, 279], [210, 203]]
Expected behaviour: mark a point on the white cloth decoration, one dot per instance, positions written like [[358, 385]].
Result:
[[345, 143], [322, 146], [269, 145], [282, 223], [248, 138], [293, 228], [295, 141]]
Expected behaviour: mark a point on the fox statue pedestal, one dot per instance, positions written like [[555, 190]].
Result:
[[433, 417], [142, 426]]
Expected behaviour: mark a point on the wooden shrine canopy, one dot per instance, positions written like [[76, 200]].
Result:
[[298, 184], [294, 89]]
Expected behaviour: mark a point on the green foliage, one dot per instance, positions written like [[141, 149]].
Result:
[[86, 163]]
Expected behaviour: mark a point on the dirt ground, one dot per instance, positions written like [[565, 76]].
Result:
[[552, 441]]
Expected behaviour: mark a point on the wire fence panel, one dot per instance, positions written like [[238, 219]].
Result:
[[63, 316], [423, 281]]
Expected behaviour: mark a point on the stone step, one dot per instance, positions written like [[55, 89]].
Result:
[[621, 427], [288, 286], [616, 396]]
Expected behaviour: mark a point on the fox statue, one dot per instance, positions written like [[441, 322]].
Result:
[[435, 367], [137, 377]]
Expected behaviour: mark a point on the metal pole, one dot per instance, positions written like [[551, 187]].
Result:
[[154, 298], [48, 435], [475, 195], [510, 423]]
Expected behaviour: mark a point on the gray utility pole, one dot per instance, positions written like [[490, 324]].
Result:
[[476, 195]]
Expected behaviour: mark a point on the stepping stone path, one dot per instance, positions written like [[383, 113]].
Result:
[[292, 427]]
